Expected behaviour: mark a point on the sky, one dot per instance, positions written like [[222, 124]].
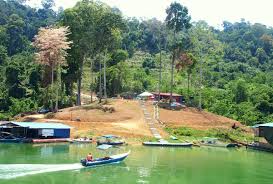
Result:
[[212, 11]]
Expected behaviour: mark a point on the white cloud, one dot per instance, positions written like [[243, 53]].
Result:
[[212, 11]]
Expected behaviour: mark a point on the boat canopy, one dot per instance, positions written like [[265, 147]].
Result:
[[110, 136], [104, 146]]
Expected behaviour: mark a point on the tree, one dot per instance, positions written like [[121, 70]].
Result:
[[95, 30], [240, 91], [48, 4], [52, 44], [177, 20], [186, 61]]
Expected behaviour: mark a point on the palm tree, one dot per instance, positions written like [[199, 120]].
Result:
[[177, 20]]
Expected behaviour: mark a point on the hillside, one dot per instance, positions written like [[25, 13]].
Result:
[[128, 121], [229, 69]]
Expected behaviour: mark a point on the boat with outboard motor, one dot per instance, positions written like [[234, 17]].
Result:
[[105, 160]]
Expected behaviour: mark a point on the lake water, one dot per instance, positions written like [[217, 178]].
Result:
[[59, 164]]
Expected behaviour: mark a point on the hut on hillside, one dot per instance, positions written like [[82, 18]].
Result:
[[166, 96]]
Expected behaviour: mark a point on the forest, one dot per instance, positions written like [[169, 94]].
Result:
[[226, 71]]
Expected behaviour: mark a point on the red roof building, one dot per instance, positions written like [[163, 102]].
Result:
[[167, 96]]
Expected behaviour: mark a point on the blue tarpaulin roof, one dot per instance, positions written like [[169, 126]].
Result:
[[33, 125], [263, 125], [104, 146]]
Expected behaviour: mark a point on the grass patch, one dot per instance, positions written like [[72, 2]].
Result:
[[186, 133], [89, 134]]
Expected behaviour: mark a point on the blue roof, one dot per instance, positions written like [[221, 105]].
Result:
[[263, 125], [33, 125]]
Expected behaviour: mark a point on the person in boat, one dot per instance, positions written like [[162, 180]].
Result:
[[89, 157]]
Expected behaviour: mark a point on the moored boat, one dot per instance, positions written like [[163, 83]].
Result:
[[167, 144], [110, 140], [113, 143], [214, 142], [81, 140], [106, 160], [6, 137]]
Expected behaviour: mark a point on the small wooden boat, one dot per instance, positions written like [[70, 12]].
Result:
[[213, 142], [113, 143], [81, 140], [167, 144], [106, 160], [6, 137], [11, 140], [110, 140]]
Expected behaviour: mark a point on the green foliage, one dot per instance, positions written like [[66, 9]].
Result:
[[5, 116], [22, 105], [222, 134]]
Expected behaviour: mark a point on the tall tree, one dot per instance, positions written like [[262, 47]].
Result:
[[186, 61], [52, 44], [177, 20]]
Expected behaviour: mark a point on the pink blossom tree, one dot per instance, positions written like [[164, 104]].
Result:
[[52, 45]]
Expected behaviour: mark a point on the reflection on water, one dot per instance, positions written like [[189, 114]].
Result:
[[144, 165]]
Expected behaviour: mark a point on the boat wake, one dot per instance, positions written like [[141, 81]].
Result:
[[9, 171]]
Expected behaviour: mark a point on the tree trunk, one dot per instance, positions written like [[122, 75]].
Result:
[[100, 85], [160, 73], [104, 78], [52, 86], [172, 77], [200, 90], [57, 88], [188, 85], [172, 72], [91, 86], [80, 84]]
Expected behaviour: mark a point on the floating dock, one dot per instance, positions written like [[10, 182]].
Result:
[[49, 140]]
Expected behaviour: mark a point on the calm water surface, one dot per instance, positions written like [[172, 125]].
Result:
[[58, 164]]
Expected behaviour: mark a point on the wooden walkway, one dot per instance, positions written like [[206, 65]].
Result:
[[150, 121]]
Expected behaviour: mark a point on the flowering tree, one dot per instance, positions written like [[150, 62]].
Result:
[[52, 44]]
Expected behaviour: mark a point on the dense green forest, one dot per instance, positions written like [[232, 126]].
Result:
[[227, 71]]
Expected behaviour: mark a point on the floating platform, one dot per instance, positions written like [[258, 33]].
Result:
[[49, 140], [167, 144]]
